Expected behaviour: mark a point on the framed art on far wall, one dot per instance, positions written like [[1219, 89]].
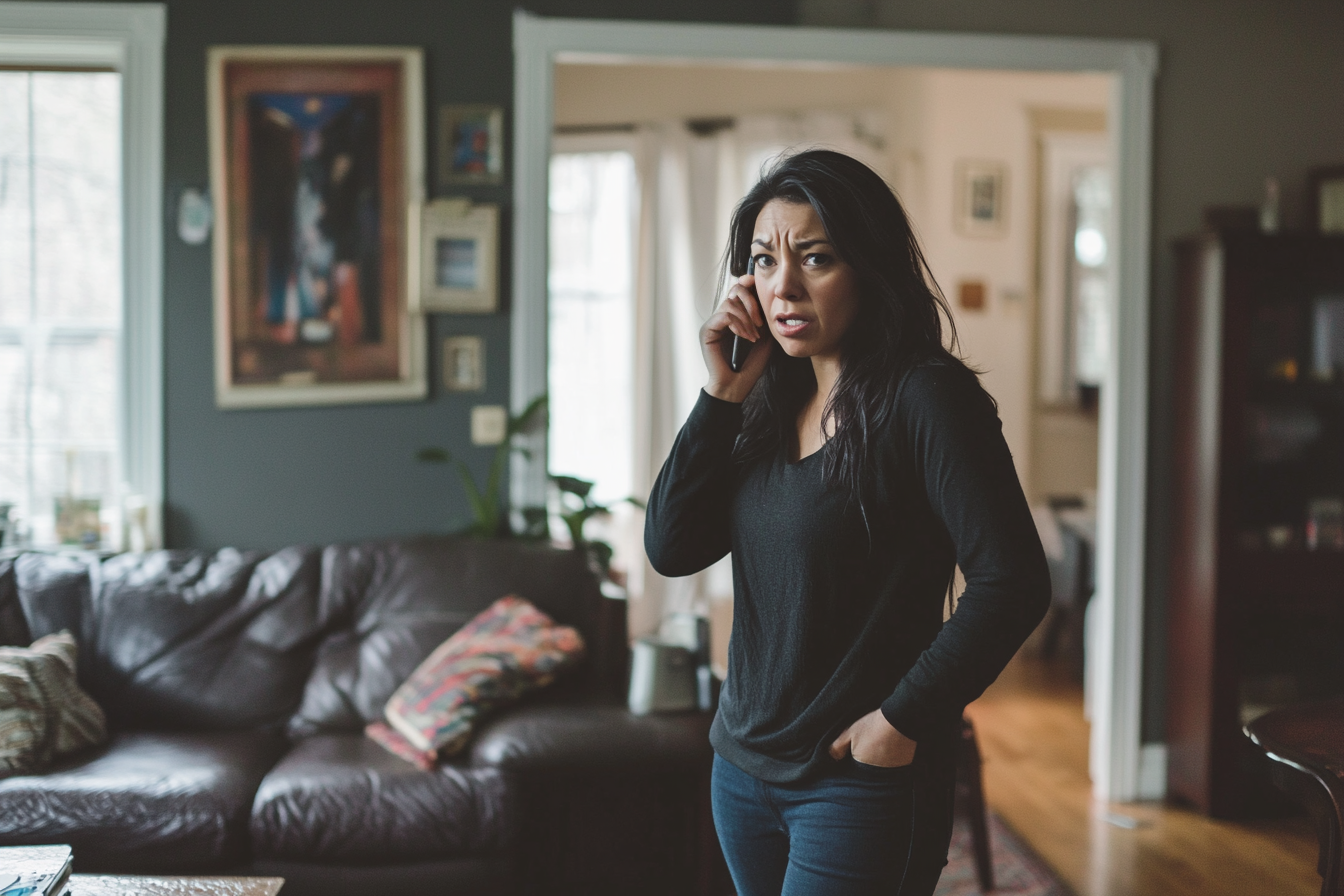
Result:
[[471, 144], [1326, 198], [315, 155], [458, 249], [981, 198]]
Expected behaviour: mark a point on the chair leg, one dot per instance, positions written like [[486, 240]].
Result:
[[969, 773]]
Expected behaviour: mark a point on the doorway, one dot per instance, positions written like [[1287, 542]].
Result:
[[541, 44]]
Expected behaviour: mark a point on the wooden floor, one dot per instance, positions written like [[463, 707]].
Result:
[[1034, 742]]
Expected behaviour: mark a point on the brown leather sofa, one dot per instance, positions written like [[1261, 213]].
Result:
[[237, 685]]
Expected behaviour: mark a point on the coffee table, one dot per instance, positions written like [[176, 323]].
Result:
[[125, 885]]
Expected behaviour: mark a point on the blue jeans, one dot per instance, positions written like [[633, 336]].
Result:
[[855, 829]]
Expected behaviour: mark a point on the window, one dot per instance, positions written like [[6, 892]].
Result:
[[593, 208], [60, 303], [1089, 278], [80, 274]]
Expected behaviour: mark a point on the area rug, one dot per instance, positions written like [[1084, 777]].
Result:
[[1017, 870]]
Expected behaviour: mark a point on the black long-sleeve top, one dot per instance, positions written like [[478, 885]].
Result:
[[834, 617]]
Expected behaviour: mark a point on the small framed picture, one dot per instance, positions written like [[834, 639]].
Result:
[[471, 145], [457, 262], [981, 198], [1326, 195], [464, 364]]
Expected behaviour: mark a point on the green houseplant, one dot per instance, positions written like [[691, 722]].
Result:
[[577, 507], [491, 516]]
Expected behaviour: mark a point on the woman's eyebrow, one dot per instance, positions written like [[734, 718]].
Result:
[[801, 244]]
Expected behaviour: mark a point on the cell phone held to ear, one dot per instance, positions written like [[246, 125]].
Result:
[[741, 347]]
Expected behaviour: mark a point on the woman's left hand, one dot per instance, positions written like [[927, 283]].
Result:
[[873, 741]]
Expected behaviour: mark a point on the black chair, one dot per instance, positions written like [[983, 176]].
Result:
[[971, 800]]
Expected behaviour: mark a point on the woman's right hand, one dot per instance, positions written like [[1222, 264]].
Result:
[[739, 314]]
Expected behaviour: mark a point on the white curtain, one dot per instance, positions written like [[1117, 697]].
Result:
[[688, 187]]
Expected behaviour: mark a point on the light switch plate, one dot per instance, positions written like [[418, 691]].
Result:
[[489, 423]]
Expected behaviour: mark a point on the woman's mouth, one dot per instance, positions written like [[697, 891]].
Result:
[[789, 325]]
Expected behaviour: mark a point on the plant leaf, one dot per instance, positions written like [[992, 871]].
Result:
[[535, 522], [573, 485], [524, 418], [433, 455]]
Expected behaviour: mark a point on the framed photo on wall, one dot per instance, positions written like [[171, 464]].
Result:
[[981, 194], [1325, 196], [315, 155], [458, 257], [464, 364], [471, 144]]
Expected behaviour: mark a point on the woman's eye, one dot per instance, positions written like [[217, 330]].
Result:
[[761, 261], [816, 259]]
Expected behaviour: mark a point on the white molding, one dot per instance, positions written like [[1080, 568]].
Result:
[[533, 113], [128, 37], [539, 42], [1117, 648]]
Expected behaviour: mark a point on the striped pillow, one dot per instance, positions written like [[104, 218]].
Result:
[[510, 648], [43, 711]]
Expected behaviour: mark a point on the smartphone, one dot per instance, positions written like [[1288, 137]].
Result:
[[741, 347]]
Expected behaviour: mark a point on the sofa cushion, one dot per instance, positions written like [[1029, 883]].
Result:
[[510, 648], [145, 802], [579, 740], [184, 639], [341, 797], [406, 597], [43, 711]]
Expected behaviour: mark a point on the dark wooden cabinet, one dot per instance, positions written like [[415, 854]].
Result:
[[1256, 606]]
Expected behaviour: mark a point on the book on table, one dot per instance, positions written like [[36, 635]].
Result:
[[34, 870]]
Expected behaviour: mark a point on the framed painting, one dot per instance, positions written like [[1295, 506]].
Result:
[[981, 198], [471, 144], [316, 153], [459, 257], [1325, 196]]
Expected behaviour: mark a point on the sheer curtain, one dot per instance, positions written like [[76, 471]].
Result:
[[689, 185]]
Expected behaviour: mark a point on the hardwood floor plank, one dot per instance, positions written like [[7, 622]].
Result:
[[1034, 742]]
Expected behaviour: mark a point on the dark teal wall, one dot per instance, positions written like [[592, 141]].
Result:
[[264, 478]]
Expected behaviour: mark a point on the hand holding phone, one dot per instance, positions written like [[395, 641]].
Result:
[[736, 341]]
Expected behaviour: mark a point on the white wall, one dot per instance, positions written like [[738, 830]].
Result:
[[954, 115], [625, 94]]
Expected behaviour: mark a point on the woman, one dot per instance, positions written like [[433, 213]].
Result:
[[849, 466]]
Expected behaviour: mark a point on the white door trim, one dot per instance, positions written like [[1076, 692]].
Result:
[[1122, 465], [129, 38]]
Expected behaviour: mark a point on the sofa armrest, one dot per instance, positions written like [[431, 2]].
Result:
[[560, 738]]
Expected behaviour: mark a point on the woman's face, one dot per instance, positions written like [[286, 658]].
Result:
[[808, 295]]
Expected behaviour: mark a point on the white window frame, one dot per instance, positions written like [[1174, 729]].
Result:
[[129, 38], [1123, 768]]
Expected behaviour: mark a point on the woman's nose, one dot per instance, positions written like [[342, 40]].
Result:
[[788, 281]]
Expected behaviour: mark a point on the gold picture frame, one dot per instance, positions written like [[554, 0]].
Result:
[[457, 262], [315, 154]]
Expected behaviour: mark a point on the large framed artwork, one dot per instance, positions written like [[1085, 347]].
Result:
[[316, 153]]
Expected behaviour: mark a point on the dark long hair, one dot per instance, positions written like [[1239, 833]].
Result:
[[899, 324]]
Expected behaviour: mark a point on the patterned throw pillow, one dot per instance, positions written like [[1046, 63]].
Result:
[[510, 648], [43, 711]]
